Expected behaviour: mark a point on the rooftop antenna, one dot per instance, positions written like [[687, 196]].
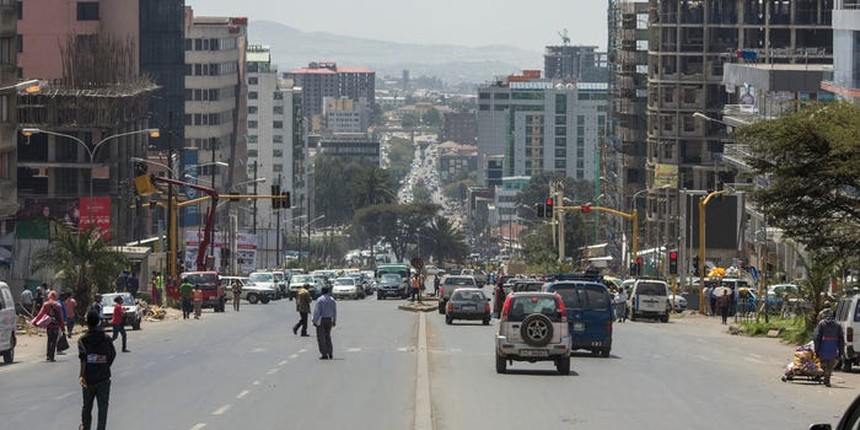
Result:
[[565, 40]]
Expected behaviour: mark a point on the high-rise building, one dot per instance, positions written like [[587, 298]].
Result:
[[846, 41], [575, 63], [215, 102], [460, 127], [689, 43], [162, 57], [321, 80], [8, 121], [541, 126], [344, 115]]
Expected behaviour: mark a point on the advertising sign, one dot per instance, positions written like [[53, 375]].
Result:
[[665, 175], [95, 211]]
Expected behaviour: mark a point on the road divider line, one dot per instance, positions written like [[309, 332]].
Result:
[[423, 401], [256, 383], [243, 394], [302, 351], [221, 410], [272, 371], [294, 356], [65, 395], [198, 426], [283, 362]]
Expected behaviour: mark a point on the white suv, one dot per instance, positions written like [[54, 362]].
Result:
[[848, 316], [649, 298], [533, 327], [7, 324]]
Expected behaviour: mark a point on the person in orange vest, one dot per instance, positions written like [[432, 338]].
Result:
[[197, 295]]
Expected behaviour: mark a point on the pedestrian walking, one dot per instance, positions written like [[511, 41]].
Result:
[[723, 304], [498, 300], [829, 342], [39, 300], [121, 283], [303, 307], [197, 295], [436, 282], [96, 353], [27, 300], [96, 306], [133, 285], [325, 318], [117, 322], [71, 307], [237, 295], [185, 290], [416, 288], [52, 313], [621, 305]]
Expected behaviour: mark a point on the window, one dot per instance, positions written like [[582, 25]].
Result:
[[198, 44], [278, 153], [278, 110], [277, 124], [278, 95], [277, 138], [189, 44], [252, 153], [19, 43], [7, 50], [252, 110], [253, 80], [253, 95], [4, 108], [252, 138], [20, 10], [277, 168], [5, 166], [88, 11], [252, 124]]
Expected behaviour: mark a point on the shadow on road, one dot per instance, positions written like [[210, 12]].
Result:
[[585, 354], [537, 372]]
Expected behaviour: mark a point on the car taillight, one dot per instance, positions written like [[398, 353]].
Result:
[[506, 308], [849, 334], [450, 306], [486, 307], [609, 327]]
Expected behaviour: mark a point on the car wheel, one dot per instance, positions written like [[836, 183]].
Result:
[[664, 318], [562, 365], [487, 321], [449, 320], [442, 307], [252, 298], [379, 296], [536, 330], [9, 356], [604, 352], [264, 300], [846, 365], [501, 364], [135, 325]]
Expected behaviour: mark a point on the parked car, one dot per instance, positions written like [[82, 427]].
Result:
[[131, 312], [347, 287], [451, 283], [7, 324], [848, 316], [251, 292], [588, 307], [480, 277], [468, 304], [391, 285], [676, 302], [299, 280], [648, 299], [533, 327], [283, 282]]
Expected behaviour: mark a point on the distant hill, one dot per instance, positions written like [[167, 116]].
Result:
[[453, 63]]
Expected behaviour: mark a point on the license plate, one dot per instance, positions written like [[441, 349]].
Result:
[[534, 353], [578, 326], [468, 307]]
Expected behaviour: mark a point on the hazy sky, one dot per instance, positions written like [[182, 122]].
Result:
[[525, 24]]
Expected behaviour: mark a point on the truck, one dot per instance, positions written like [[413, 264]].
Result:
[[209, 284]]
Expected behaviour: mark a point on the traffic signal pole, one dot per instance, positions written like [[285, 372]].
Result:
[[632, 216], [703, 203]]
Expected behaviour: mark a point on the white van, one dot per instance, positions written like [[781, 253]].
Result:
[[848, 316], [649, 298], [7, 324]]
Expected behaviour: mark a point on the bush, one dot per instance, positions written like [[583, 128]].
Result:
[[792, 330]]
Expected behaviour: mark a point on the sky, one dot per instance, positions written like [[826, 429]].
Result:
[[524, 24]]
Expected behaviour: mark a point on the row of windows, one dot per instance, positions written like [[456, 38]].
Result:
[[202, 144], [211, 94], [208, 118], [210, 44], [211, 69], [7, 50], [276, 95], [277, 138], [253, 124], [592, 96], [277, 110]]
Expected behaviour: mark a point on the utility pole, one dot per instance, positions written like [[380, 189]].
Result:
[[171, 248], [254, 224], [559, 196], [214, 236], [308, 260], [298, 228], [278, 231]]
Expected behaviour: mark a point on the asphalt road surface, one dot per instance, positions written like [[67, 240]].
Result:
[[248, 371]]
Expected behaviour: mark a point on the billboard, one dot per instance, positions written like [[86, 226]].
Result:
[[665, 175], [95, 211], [246, 250]]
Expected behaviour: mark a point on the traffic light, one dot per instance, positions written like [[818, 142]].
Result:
[[673, 262], [638, 267], [541, 210], [276, 193], [550, 202], [586, 208], [696, 265], [285, 200]]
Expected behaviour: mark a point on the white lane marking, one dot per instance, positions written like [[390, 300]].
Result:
[[302, 350], [283, 362], [272, 371], [294, 356], [423, 407], [198, 426], [221, 410], [256, 383], [258, 350], [242, 394], [402, 349], [755, 360], [65, 395], [353, 350], [171, 357]]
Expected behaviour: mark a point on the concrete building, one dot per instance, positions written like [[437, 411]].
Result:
[[542, 126], [357, 147], [344, 115], [325, 79], [456, 160], [8, 121], [690, 43], [215, 102], [568, 63], [846, 41], [460, 127]]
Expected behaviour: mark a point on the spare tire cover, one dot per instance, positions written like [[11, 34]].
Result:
[[536, 330]]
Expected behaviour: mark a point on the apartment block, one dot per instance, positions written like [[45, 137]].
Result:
[[324, 79], [570, 63], [8, 122], [460, 127], [846, 41]]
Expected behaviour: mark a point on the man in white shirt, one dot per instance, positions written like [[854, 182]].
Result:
[[621, 305]]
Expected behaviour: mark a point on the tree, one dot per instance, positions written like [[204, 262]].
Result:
[[578, 191], [372, 186], [84, 260], [541, 254], [397, 225], [409, 120], [810, 160], [431, 117], [819, 267], [442, 241], [331, 197]]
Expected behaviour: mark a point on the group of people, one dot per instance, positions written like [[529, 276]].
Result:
[[324, 318]]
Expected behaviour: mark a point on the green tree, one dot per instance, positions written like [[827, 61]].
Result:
[[409, 120], [331, 197], [400, 156], [396, 225], [539, 247], [83, 260], [457, 190], [820, 266], [443, 241], [372, 186], [578, 191], [420, 193], [432, 117], [810, 160]]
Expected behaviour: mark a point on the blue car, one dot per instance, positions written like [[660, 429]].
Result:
[[588, 305]]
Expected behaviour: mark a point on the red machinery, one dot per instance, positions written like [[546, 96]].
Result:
[[210, 217]]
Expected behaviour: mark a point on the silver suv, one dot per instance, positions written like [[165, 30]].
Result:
[[533, 327]]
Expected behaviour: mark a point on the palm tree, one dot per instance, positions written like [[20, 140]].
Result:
[[372, 186], [83, 259], [443, 241]]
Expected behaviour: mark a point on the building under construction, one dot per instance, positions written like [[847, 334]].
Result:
[[689, 43]]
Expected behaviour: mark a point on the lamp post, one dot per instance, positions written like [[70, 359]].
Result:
[[91, 152], [28, 87]]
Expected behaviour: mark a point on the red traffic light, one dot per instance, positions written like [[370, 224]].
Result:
[[549, 201], [673, 255], [639, 260], [585, 208]]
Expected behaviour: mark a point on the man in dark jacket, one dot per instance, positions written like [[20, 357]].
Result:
[[303, 307], [96, 352], [829, 343]]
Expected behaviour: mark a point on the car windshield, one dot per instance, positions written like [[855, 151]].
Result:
[[391, 278], [108, 299], [583, 297], [344, 281], [460, 281], [468, 296], [651, 289], [302, 279], [261, 277], [278, 276]]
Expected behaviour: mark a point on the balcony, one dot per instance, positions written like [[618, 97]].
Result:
[[737, 155]]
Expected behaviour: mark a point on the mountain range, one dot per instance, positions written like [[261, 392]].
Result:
[[454, 64]]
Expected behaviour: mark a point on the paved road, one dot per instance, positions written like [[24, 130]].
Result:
[[246, 370]]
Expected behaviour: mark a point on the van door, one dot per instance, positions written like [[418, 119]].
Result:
[[7, 317], [650, 297]]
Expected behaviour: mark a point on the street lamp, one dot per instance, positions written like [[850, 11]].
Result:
[[91, 152], [29, 87]]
